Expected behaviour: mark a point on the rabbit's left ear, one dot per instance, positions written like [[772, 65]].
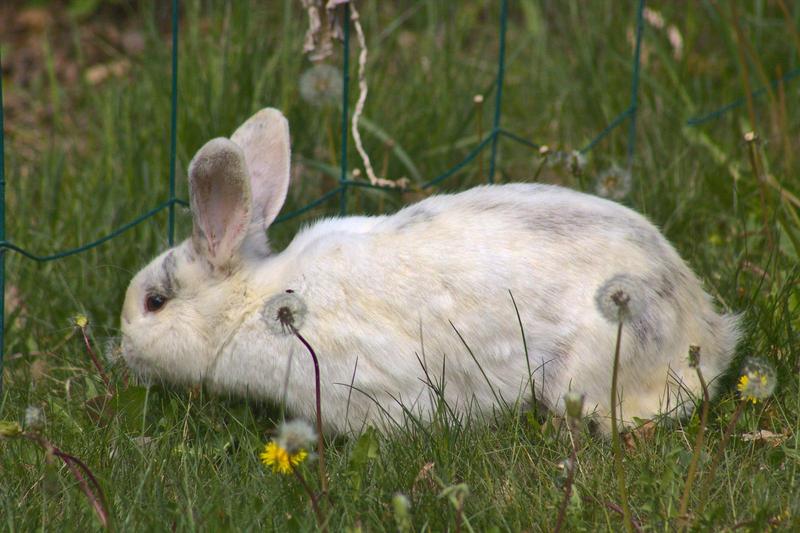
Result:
[[264, 139], [221, 201]]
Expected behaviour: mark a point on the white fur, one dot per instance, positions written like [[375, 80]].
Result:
[[383, 291]]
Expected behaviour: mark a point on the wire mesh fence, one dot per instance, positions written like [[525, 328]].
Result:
[[346, 185]]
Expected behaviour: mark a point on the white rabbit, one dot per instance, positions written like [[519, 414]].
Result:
[[399, 306]]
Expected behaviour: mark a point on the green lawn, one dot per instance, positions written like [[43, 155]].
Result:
[[84, 157]]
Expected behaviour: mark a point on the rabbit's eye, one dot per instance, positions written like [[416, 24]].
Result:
[[154, 302]]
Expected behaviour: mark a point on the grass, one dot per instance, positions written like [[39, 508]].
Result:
[[173, 458]]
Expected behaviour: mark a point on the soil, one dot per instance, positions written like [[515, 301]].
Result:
[[48, 45]]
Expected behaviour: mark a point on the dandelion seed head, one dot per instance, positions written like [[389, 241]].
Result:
[[757, 380], [621, 297], [576, 162], [112, 351], [295, 436], [283, 312], [563, 470], [34, 418], [565, 464], [694, 356], [572, 161], [321, 85], [615, 183]]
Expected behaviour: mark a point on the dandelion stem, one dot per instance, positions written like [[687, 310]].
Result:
[[755, 163], [616, 508], [323, 478], [478, 100], [698, 446], [615, 441], [573, 462], [726, 436], [539, 169], [78, 468], [96, 361], [323, 526]]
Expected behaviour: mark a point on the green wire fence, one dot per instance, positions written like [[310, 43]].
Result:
[[3, 244], [491, 140]]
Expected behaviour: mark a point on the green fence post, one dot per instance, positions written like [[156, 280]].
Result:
[[345, 112], [633, 109], [2, 228], [173, 124], [498, 95]]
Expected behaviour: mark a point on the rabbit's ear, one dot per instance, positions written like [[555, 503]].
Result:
[[219, 190], [264, 139]]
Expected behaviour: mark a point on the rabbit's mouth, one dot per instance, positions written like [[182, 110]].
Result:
[[143, 368], [159, 366]]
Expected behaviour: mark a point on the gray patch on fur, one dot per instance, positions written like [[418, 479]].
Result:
[[414, 215], [646, 239], [490, 206], [642, 331], [547, 310], [562, 348], [665, 287], [565, 223], [648, 332], [170, 282], [568, 224], [163, 281], [713, 325]]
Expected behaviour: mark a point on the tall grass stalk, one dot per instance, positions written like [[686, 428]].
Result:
[[697, 449], [721, 448], [574, 412]]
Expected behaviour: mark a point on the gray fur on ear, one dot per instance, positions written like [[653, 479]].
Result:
[[220, 197]]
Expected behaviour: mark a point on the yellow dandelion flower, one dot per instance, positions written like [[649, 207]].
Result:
[[281, 461], [744, 381], [757, 380], [81, 321], [9, 429]]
